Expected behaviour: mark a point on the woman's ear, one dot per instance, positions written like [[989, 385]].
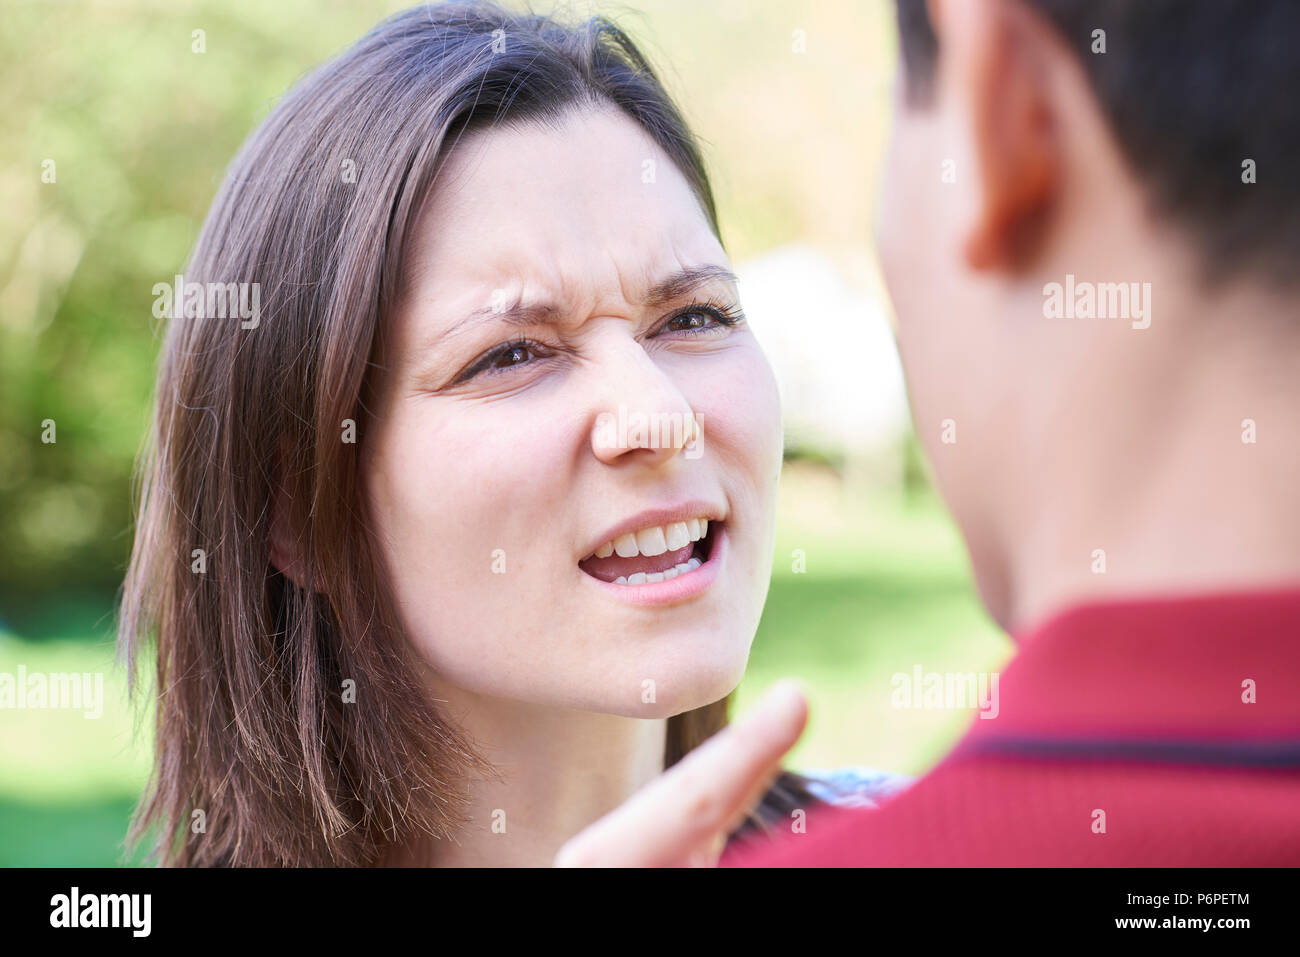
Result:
[[285, 539], [997, 55]]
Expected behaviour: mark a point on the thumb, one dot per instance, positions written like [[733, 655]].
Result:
[[681, 812]]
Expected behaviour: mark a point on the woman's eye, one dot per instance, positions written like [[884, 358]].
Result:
[[689, 320], [513, 356], [701, 318], [503, 358]]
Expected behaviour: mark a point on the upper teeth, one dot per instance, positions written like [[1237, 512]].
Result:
[[656, 540]]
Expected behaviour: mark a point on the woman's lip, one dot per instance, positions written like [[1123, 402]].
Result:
[[675, 590], [660, 516]]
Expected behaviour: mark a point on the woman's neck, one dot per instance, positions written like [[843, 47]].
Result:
[[559, 770]]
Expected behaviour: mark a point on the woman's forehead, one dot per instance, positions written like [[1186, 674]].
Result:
[[561, 214]]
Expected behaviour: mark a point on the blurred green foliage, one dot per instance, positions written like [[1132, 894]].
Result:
[[120, 134]]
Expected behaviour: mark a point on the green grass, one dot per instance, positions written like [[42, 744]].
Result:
[[885, 587], [83, 834], [68, 782]]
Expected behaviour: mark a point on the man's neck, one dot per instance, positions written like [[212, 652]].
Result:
[[1176, 471]]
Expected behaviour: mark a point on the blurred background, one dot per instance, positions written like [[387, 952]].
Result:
[[115, 137]]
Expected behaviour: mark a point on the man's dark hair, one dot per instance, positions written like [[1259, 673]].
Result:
[[1192, 89]]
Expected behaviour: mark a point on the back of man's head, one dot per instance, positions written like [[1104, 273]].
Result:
[[1199, 94], [1089, 225]]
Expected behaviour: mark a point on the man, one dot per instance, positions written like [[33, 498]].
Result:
[[1089, 229]]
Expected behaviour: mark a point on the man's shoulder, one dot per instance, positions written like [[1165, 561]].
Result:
[[984, 810], [1125, 733]]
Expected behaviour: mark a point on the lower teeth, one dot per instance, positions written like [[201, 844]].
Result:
[[645, 578]]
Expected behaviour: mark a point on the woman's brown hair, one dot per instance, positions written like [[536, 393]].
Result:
[[259, 759]]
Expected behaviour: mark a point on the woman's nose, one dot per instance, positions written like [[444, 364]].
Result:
[[642, 415]]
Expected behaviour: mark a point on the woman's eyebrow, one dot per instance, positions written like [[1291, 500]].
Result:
[[520, 315], [515, 314], [684, 281]]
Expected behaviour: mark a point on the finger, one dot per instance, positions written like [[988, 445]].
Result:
[[752, 799], [685, 809], [669, 820]]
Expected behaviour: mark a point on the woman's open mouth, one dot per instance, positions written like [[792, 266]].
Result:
[[654, 554]]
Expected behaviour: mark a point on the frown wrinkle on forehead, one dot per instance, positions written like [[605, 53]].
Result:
[[524, 313], [586, 218]]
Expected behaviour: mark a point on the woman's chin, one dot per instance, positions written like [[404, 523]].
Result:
[[703, 681]]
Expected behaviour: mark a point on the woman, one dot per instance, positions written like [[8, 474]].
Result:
[[465, 536]]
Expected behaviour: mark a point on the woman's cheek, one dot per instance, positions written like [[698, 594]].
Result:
[[745, 411], [742, 436]]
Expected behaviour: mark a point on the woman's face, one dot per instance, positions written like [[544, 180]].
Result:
[[567, 324]]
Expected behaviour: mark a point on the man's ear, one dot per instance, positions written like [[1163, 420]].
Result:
[[994, 60], [285, 540]]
